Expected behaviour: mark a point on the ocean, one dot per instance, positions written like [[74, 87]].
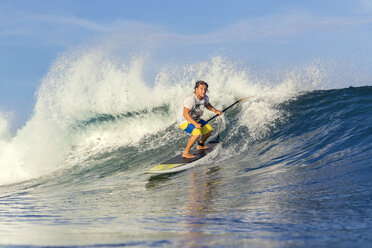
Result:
[[293, 169]]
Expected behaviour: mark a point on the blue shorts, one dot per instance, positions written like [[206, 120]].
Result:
[[190, 128]]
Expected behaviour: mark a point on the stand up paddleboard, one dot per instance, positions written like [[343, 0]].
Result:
[[179, 163]]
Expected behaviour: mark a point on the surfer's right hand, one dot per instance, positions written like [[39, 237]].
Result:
[[198, 126]]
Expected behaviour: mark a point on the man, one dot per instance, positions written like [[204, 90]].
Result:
[[191, 122]]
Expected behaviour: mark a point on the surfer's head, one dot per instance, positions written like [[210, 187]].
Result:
[[201, 88]]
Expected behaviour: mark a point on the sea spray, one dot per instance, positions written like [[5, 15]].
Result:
[[4, 129]]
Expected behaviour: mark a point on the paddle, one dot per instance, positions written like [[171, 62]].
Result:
[[242, 99]]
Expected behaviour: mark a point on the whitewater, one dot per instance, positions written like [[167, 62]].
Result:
[[293, 168]]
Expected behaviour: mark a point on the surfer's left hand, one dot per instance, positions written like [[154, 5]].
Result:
[[218, 112]]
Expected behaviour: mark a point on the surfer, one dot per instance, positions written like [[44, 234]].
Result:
[[191, 122]]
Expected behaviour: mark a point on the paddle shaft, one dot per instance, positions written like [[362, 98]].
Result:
[[224, 110]]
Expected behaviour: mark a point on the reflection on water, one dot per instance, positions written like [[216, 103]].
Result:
[[203, 190]]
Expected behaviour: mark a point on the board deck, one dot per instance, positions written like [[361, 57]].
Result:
[[179, 163]]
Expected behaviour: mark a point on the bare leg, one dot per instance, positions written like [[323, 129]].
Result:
[[203, 139], [190, 143]]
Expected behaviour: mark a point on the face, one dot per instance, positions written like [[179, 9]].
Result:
[[201, 91]]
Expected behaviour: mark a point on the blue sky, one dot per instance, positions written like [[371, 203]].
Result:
[[34, 33]]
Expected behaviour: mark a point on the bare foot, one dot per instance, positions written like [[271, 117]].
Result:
[[202, 147], [187, 155]]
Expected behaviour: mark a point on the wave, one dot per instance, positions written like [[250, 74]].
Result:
[[93, 110], [325, 128], [316, 129]]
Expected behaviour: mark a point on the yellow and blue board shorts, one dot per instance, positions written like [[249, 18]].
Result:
[[190, 128]]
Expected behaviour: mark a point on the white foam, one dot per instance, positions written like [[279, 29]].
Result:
[[4, 129]]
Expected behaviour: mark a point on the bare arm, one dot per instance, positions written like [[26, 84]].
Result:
[[186, 114], [211, 108]]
